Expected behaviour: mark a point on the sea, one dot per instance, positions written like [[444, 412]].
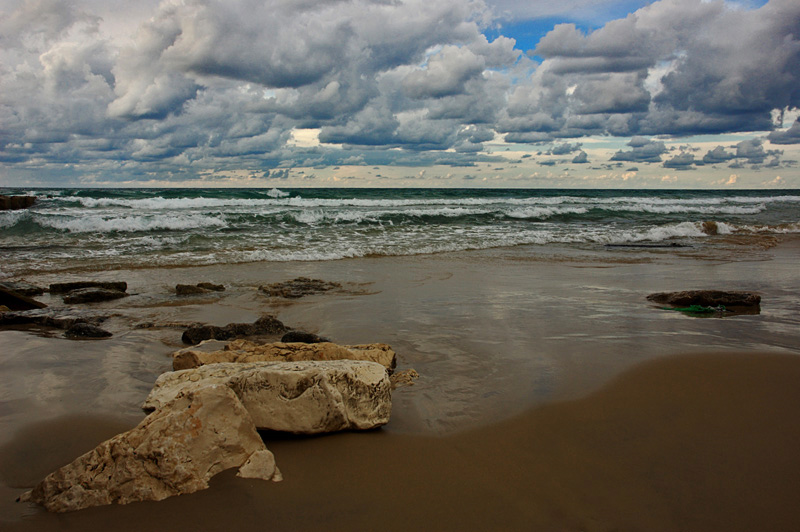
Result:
[[106, 229]]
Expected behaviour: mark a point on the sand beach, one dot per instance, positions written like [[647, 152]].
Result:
[[552, 395]]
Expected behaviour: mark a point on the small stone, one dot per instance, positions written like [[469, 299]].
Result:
[[92, 295], [86, 330], [302, 337]]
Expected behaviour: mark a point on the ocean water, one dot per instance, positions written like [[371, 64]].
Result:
[[101, 229]]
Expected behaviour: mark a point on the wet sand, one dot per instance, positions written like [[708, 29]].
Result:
[[551, 398], [706, 442]]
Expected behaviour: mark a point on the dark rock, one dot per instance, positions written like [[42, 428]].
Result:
[[16, 301], [710, 228], [12, 203], [264, 325], [707, 298], [92, 295], [302, 337], [296, 288], [211, 286], [57, 318], [63, 288], [23, 287], [189, 290], [86, 330]]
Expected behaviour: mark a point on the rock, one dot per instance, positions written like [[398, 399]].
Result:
[[16, 301], [707, 298], [188, 290], [58, 318], [92, 295], [4, 308], [23, 287], [296, 288], [710, 228], [11, 203], [262, 326], [86, 330], [211, 286], [63, 288], [199, 288], [243, 351], [298, 397], [404, 378], [302, 337], [175, 450]]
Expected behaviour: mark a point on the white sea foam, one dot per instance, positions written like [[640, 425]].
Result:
[[12, 218], [105, 224], [277, 193]]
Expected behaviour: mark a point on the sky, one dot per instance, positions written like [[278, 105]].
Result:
[[400, 93]]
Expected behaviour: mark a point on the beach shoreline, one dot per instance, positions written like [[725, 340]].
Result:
[[505, 340]]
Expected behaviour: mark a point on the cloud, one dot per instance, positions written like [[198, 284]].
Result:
[[580, 158], [644, 151], [204, 85], [789, 136], [717, 155], [682, 161]]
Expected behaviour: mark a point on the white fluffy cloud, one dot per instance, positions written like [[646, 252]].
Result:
[[212, 84]]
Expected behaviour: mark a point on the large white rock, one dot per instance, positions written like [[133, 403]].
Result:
[[300, 397], [174, 450], [214, 351]]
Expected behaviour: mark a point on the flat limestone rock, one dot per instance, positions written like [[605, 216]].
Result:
[[246, 351], [300, 397], [175, 450], [707, 298]]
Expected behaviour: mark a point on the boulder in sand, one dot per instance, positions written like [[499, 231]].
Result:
[[244, 351], [173, 451], [265, 325], [298, 397]]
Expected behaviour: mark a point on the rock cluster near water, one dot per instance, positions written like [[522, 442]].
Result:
[[204, 419]]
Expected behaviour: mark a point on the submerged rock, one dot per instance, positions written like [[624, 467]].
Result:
[[23, 287], [92, 295], [17, 301], [174, 450], [707, 298], [263, 326], [243, 351], [86, 330], [298, 397], [63, 288], [302, 337], [57, 318], [297, 288], [199, 288]]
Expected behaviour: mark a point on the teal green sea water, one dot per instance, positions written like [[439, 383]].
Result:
[[129, 228]]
